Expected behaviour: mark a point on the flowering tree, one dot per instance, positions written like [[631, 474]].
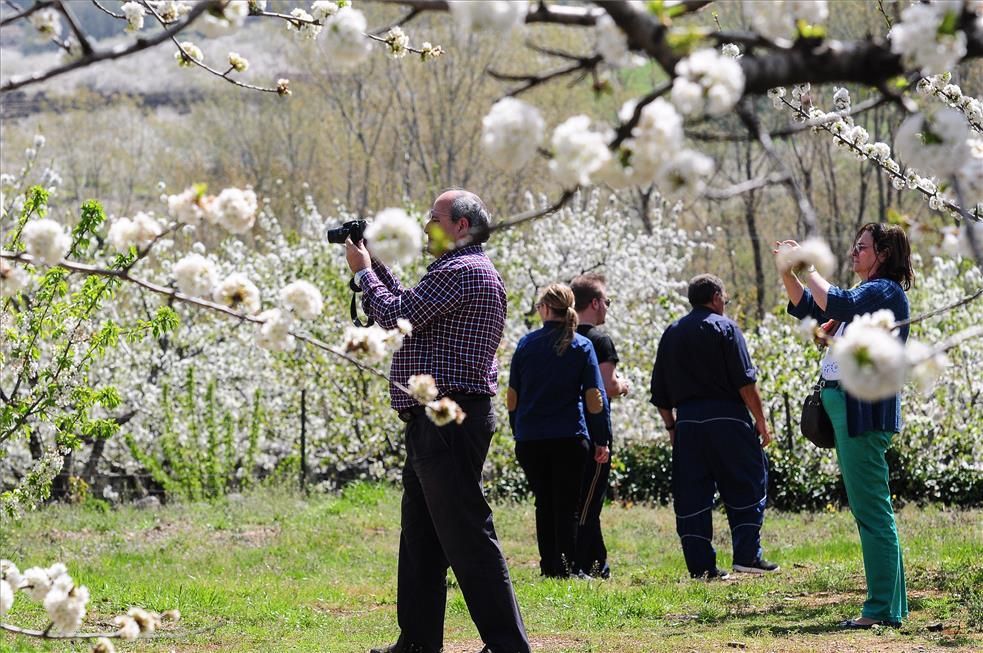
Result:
[[714, 66]]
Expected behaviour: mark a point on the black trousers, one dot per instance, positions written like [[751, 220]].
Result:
[[592, 555], [555, 469], [447, 522]]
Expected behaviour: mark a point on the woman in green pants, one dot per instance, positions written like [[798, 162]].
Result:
[[882, 259]]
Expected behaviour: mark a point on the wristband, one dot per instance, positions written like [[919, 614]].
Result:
[[671, 427]]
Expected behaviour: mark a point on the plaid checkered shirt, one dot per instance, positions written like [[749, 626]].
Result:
[[458, 316]]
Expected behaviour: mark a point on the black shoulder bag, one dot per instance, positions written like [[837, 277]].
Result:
[[815, 423]]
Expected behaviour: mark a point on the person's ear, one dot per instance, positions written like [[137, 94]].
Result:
[[463, 227]]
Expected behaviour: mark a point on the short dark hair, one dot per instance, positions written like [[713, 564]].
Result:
[[892, 241], [702, 288], [586, 288], [468, 205]]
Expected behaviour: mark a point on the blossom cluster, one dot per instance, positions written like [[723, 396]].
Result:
[[813, 251], [499, 16], [778, 20], [934, 140], [372, 344], [511, 133], [139, 232], [874, 364], [654, 140], [927, 36], [940, 86], [707, 83], [233, 209], [65, 602], [46, 240], [394, 237], [612, 44]]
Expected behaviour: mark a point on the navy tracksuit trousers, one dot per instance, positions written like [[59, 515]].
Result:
[[717, 449]]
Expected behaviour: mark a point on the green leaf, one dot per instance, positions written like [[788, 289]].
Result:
[[808, 31], [683, 41], [165, 320], [895, 217], [949, 23]]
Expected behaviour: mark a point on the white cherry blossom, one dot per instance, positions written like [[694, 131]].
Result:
[[302, 299], [46, 240], [394, 237], [511, 133]]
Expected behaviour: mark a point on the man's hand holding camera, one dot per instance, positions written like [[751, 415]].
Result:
[[357, 256]]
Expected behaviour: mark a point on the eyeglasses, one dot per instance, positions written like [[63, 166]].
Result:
[[606, 300], [859, 247]]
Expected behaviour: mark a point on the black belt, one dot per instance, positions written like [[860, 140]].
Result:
[[409, 414]]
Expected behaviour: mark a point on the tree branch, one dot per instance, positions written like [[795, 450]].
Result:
[[754, 126], [924, 316], [27, 12], [225, 75], [745, 187], [123, 275], [83, 39], [521, 218], [532, 81], [108, 55]]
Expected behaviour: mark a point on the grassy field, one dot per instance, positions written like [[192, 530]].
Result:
[[272, 571]]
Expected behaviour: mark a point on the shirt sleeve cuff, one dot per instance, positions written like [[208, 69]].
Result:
[[361, 275]]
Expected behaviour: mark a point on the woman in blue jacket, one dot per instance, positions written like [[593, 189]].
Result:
[[863, 429], [557, 406]]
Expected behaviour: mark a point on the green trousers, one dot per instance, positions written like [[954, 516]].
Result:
[[865, 476]]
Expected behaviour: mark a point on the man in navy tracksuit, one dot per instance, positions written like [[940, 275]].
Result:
[[704, 373]]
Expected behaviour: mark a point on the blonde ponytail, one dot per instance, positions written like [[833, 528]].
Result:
[[559, 299]]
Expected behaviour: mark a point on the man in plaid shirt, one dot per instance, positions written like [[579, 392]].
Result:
[[458, 315]]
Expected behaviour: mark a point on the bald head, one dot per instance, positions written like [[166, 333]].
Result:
[[458, 204]]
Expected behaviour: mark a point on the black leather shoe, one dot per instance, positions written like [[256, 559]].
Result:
[[400, 647]]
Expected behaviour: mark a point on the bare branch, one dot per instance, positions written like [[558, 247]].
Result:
[[107, 11], [26, 12], [745, 187], [399, 23], [532, 81], [543, 13], [83, 39], [519, 219], [805, 207], [46, 634]]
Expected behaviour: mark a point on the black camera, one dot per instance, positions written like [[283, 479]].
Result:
[[354, 229]]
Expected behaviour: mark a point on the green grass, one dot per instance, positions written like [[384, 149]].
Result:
[[273, 571]]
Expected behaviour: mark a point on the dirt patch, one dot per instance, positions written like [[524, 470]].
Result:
[[255, 536], [820, 599], [156, 533]]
